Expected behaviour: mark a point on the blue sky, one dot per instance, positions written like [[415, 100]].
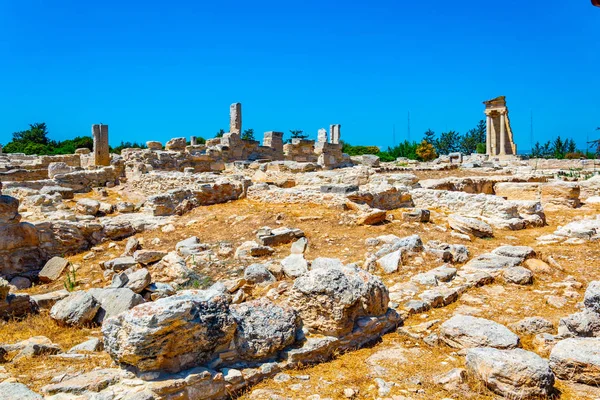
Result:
[[153, 70]]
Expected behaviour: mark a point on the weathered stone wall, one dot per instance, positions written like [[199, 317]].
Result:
[[20, 253], [300, 150]]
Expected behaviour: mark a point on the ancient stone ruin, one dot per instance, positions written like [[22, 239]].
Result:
[[235, 269], [499, 135]]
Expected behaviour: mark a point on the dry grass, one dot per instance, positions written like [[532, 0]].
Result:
[[238, 221], [37, 372]]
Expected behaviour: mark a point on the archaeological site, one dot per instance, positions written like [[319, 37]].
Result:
[[237, 269]]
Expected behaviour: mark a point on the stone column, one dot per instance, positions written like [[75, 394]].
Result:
[[488, 136], [193, 141], [322, 135], [101, 149], [335, 133], [502, 134], [235, 118]]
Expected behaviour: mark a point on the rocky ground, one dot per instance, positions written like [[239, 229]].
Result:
[[480, 311]]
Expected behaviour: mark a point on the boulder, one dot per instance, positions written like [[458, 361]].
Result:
[[577, 360], [373, 294], [390, 262], [465, 331], [518, 275], [120, 263], [176, 144], [20, 282], [148, 256], [171, 334], [89, 346], [139, 280], [88, 207], [585, 323], [78, 309], [299, 246], [294, 265], [17, 391], [532, 326], [58, 168], [114, 301], [591, 298], [522, 252], [470, 226], [515, 374], [326, 300], [263, 328], [153, 145], [258, 274], [53, 269], [125, 207]]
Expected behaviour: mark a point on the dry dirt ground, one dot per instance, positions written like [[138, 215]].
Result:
[[408, 362]]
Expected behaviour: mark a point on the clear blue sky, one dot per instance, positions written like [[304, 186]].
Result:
[[153, 70]]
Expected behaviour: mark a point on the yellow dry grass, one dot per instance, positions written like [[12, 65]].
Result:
[[238, 221]]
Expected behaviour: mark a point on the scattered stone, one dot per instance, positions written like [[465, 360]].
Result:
[[78, 309], [518, 275], [470, 226], [532, 326], [294, 265], [89, 346], [463, 331], [258, 274], [299, 246], [53, 269], [577, 360], [390, 263], [148, 256], [17, 391], [591, 298], [513, 373]]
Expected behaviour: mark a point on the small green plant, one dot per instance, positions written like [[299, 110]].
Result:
[[71, 279]]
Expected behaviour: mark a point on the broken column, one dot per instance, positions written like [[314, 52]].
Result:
[[335, 133], [322, 135], [274, 140], [235, 118], [193, 141], [101, 149], [499, 136]]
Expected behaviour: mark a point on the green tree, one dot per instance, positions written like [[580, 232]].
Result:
[[298, 134], [37, 133], [481, 148], [127, 145], [248, 134], [558, 147], [220, 133], [429, 136], [449, 142]]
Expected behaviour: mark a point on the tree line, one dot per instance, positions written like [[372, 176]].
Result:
[[35, 140]]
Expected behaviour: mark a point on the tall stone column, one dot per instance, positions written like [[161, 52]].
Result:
[[193, 141], [335, 133], [101, 149], [322, 135], [235, 118], [488, 136], [502, 134]]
